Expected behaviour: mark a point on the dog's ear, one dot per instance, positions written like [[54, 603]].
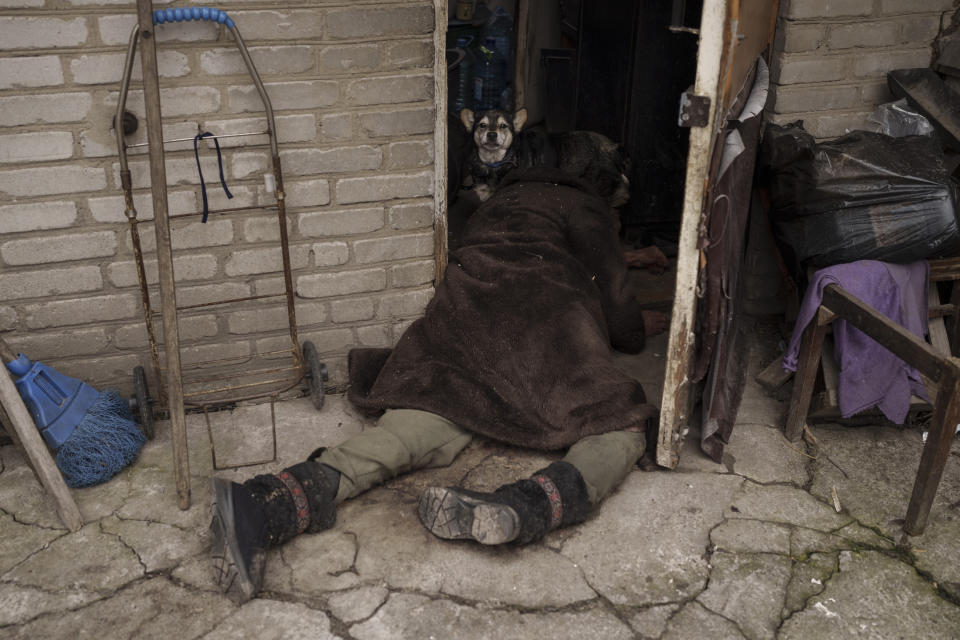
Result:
[[519, 119], [466, 117]]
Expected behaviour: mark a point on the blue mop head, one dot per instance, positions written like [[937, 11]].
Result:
[[93, 433], [105, 441]]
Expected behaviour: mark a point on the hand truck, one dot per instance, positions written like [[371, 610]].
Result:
[[210, 385]]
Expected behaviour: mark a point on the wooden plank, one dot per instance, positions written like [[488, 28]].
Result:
[[168, 299], [953, 327], [774, 375], [932, 97], [752, 23], [944, 269], [941, 310], [831, 372], [37, 453], [536, 26], [9, 355], [936, 450], [440, 101], [831, 413], [676, 403], [948, 58], [521, 66], [898, 340], [6, 426], [938, 338], [808, 362], [938, 330]]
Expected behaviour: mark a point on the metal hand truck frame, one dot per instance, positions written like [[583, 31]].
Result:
[[210, 389]]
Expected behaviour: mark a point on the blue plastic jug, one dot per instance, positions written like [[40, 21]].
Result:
[[463, 91]]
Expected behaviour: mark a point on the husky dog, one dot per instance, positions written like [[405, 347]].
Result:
[[493, 155], [500, 146]]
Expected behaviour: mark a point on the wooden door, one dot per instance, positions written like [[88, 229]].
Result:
[[733, 33]]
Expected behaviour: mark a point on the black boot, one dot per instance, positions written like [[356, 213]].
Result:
[[520, 512], [265, 512]]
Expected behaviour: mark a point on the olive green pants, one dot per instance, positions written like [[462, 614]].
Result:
[[406, 439]]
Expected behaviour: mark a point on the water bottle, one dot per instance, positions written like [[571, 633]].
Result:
[[463, 91], [500, 28], [489, 77]]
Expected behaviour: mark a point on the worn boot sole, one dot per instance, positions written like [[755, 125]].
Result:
[[235, 578], [454, 515]]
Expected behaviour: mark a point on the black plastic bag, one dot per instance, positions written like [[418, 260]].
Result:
[[864, 196]]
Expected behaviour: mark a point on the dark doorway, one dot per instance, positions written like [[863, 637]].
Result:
[[634, 61], [620, 69]]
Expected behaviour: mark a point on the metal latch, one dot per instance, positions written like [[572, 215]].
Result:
[[694, 109]]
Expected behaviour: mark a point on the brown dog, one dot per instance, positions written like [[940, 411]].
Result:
[[501, 145], [493, 155]]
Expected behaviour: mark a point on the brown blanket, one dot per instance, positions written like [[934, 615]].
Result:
[[515, 345]]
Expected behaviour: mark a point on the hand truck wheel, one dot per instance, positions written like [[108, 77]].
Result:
[[316, 374], [140, 403]]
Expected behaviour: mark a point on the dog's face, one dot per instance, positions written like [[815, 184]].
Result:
[[493, 131]]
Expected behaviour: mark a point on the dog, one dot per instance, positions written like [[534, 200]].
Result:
[[501, 145], [493, 155]]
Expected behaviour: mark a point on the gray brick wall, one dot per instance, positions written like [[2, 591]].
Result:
[[352, 89], [831, 57]]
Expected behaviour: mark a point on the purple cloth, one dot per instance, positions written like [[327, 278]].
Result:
[[870, 375]]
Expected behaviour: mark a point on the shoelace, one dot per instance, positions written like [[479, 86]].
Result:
[[203, 186]]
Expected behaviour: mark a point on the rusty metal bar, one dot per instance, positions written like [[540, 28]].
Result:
[[219, 137], [281, 195], [131, 210], [292, 382]]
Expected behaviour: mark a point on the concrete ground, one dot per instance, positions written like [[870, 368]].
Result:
[[750, 548]]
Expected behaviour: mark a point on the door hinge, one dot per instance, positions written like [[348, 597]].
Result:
[[694, 109]]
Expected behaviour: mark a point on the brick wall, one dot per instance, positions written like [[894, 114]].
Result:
[[831, 57], [352, 86]]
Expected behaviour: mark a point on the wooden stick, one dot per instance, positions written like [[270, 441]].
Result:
[[953, 327], [440, 91], [38, 455], [6, 353], [936, 450], [809, 360], [168, 299]]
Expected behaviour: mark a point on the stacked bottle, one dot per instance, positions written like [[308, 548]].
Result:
[[489, 80], [463, 91], [500, 28]]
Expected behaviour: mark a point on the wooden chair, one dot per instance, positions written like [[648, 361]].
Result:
[[935, 362]]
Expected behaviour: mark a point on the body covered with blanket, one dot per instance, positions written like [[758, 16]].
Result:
[[516, 346], [516, 343]]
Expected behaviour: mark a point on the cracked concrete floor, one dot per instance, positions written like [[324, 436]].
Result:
[[750, 548]]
